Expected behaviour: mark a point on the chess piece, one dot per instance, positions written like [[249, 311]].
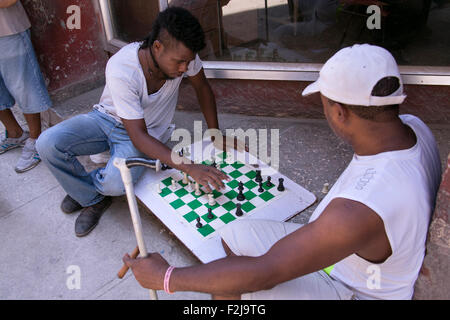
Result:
[[210, 214], [258, 177], [280, 184], [240, 196], [269, 182], [173, 184], [241, 186], [326, 188], [239, 211], [211, 200], [158, 188], [185, 178], [261, 189], [197, 189], [199, 224]]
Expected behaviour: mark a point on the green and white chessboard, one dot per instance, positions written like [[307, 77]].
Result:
[[188, 207], [178, 207]]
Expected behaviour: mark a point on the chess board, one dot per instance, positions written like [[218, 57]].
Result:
[[178, 208], [188, 207]]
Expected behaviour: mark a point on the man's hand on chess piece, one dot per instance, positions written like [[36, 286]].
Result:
[[206, 176], [149, 271]]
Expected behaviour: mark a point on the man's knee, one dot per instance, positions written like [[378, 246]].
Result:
[[109, 183], [45, 144]]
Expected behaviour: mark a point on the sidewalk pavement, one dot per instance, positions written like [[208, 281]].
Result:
[[38, 244]]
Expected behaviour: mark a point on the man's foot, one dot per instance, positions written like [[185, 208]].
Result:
[[29, 158], [90, 216], [7, 143], [69, 205]]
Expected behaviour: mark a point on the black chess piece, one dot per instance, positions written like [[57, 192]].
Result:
[[269, 182], [199, 224], [261, 189], [258, 177], [241, 185], [280, 184], [239, 211], [210, 214], [241, 196]]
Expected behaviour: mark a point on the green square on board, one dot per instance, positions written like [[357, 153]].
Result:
[[266, 196], [230, 205], [235, 174], [231, 194], [191, 216], [177, 204], [250, 184], [206, 230], [194, 204], [247, 207], [165, 192], [233, 184], [180, 193], [251, 174], [167, 182], [249, 195], [227, 217]]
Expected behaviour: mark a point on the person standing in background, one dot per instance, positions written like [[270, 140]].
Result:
[[21, 82]]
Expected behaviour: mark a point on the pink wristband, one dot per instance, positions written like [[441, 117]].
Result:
[[167, 279]]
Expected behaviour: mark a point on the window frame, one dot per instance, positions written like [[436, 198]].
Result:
[[413, 75]]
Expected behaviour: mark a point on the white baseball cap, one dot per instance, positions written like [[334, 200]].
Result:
[[350, 75]]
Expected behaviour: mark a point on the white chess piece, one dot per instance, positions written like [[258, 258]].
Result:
[[173, 184], [197, 189], [211, 200], [158, 188], [326, 188], [185, 178]]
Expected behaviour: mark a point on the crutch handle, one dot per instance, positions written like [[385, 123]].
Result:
[[123, 271]]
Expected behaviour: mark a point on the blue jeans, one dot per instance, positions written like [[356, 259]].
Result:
[[87, 134], [21, 79]]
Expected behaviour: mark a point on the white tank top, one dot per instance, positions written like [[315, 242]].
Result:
[[400, 186]]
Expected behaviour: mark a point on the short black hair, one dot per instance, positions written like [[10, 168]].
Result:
[[385, 87], [181, 25]]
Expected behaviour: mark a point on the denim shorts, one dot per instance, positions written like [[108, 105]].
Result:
[[21, 80]]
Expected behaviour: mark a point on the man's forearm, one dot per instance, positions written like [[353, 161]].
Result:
[[7, 3], [233, 276], [155, 149], [207, 103]]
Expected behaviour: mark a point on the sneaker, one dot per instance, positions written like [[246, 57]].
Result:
[[90, 216], [69, 205], [29, 158], [11, 143]]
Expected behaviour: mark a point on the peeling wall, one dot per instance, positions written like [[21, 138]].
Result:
[[67, 57]]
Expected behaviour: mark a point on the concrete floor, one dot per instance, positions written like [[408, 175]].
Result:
[[39, 247]]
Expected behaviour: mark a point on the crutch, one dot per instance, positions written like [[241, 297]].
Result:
[[124, 166]]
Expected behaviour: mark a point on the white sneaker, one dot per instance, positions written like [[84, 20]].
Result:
[[29, 158], [12, 143]]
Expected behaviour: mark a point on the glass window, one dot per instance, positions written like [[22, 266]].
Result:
[[310, 31], [132, 20]]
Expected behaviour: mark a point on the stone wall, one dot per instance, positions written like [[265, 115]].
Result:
[[433, 281]]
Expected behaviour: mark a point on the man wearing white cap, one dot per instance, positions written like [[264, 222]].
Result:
[[370, 228]]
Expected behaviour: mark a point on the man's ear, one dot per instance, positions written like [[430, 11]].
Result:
[[342, 113], [157, 46]]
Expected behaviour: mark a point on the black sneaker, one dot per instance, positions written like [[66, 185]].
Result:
[[69, 205], [90, 216]]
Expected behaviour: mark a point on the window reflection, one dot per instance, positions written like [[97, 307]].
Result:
[[310, 31]]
